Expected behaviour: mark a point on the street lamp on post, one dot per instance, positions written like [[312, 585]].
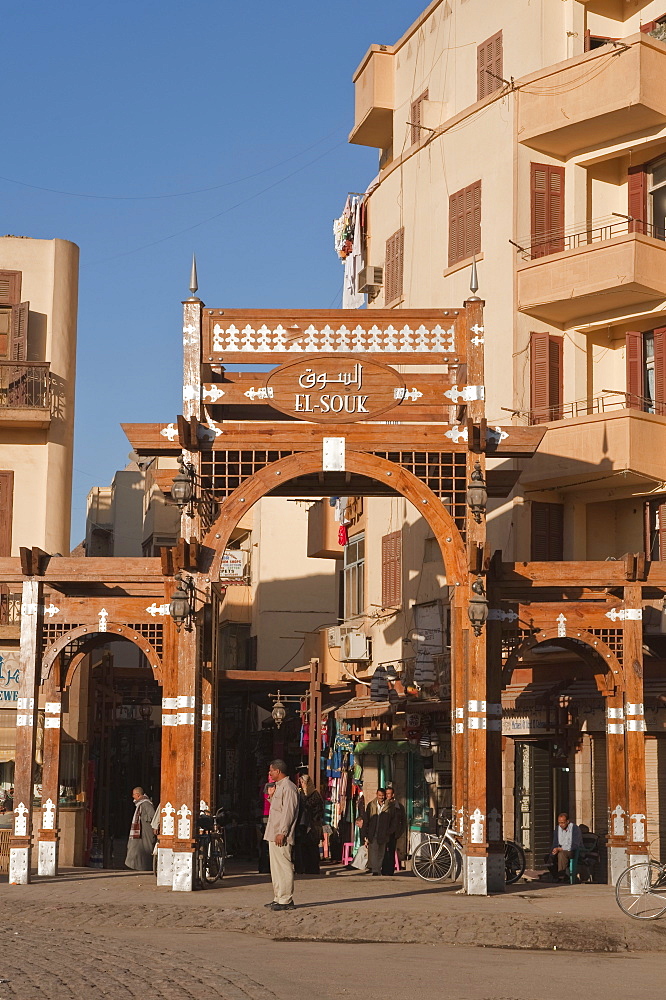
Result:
[[477, 493], [181, 605], [477, 609], [279, 711]]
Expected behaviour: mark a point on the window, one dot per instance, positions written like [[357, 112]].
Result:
[[415, 117], [13, 317], [547, 532], [547, 209], [393, 266], [657, 199], [465, 223], [646, 370], [489, 69], [655, 529], [392, 569], [353, 576], [546, 381]]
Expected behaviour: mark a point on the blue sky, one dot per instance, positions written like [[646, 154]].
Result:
[[134, 100]]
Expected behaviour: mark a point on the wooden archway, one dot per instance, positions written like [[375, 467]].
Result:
[[361, 463], [97, 638], [589, 647]]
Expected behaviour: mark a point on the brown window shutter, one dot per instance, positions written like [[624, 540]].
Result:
[[637, 204], [475, 239], [547, 208], [634, 365], [547, 530], [465, 223], [661, 513], [6, 512], [393, 266], [588, 40], [391, 569], [415, 117], [489, 57], [660, 371], [540, 371], [455, 229], [10, 288], [18, 346], [555, 377]]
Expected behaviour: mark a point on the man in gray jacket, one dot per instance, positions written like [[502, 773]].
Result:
[[280, 834]]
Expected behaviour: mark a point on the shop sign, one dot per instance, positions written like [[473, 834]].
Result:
[[534, 724], [10, 672], [332, 389], [234, 566]]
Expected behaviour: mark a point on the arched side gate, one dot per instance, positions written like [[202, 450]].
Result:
[[606, 633]]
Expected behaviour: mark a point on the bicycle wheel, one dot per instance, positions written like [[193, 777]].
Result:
[[433, 861], [640, 890], [514, 861]]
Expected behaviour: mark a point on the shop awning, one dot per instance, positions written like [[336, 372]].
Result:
[[388, 747], [364, 708], [516, 696]]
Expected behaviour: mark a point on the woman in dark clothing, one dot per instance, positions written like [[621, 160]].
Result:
[[309, 828]]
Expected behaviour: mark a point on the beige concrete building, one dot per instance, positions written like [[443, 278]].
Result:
[[532, 135], [38, 315]]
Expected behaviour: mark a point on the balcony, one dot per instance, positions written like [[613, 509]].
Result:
[[595, 99], [600, 444], [592, 274], [618, 10], [373, 115], [25, 394]]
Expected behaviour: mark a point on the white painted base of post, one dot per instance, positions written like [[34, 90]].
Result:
[[19, 865], [617, 862], [165, 866], [637, 859], [183, 871], [47, 858], [482, 876]]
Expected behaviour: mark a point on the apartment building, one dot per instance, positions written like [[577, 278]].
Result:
[[38, 314], [531, 137]]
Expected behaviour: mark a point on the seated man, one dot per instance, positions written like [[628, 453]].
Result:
[[566, 839]]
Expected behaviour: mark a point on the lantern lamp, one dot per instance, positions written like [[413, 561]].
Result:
[[477, 494], [182, 488], [477, 609], [180, 606], [279, 711]]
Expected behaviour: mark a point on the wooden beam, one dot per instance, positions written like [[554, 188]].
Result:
[[68, 569], [582, 574], [267, 676]]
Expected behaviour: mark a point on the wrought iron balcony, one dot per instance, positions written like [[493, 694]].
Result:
[[10, 609], [25, 387]]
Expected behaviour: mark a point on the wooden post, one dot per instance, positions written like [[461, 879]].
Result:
[[32, 609], [637, 848], [169, 750], [49, 833], [617, 786], [482, 833], [208, 779], [187, 769], [457, 716]]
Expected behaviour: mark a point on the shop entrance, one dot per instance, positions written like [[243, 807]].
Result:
[[534, 797], [125, 747]]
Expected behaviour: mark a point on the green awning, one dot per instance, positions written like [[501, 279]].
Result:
[[386, 747]]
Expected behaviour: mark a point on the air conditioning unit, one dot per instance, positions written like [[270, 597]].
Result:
[[334, 636], [354, 647], [370, 278]]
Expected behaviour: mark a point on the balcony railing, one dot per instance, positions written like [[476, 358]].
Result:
[[612, 399], [25, 385], [599, 231]]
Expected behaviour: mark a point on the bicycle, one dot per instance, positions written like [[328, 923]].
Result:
[[441, 857], [211, 852], [640, 890]]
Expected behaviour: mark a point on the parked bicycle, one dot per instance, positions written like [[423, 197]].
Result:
[[211, 852], [441, 857], [640, 890]]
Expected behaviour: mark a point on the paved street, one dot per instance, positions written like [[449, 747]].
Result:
[[116, 935]]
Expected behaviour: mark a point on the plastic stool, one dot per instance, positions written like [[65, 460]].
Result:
[[347, 853], [397, 862]]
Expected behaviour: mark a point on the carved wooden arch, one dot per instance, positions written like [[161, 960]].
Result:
[[97, 638], [608, 680], [305, 463]]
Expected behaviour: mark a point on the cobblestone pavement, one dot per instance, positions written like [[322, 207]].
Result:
[[65, 966]]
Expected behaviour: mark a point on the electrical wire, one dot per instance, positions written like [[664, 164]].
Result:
[[218, 215], [177, 194]]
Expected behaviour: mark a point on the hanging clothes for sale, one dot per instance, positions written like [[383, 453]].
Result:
[[379, 689], [343, 535]]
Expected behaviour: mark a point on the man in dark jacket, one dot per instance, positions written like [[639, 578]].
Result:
[[378, 826], [399, 827]]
